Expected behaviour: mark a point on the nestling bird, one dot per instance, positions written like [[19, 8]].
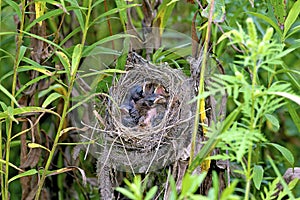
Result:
[[126, 118], [161, 90], [144, 105], [136, 93]]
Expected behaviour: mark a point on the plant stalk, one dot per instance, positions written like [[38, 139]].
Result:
[[9, 122], [201, 82], [66, 105], [252, 127]]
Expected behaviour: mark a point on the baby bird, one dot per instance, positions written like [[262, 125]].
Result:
[[135, 93], [160, 90], [126, 118]]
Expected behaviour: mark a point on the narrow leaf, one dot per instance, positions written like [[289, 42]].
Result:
[[39, 69], [52, 97], [21, 53], [150, 194], [16, 7], [26, 85], [35, 145], [290, 96], [11, 165], [76, 58], [285, 152], [7, 93], [268, 20], [291, 18], [88, 49], [27, 111], [125, 192], [23, 174]]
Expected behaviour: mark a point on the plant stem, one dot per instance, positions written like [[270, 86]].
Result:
[[9, 121], [252, 127], [201, 83], [66, 105]]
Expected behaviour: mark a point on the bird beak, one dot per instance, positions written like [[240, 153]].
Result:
[[160, 90], [160, 100]]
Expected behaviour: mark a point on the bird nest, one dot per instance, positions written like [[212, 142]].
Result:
[[157, 137]]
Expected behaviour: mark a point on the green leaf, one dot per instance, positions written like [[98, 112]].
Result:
[[26, 85], [126, 192], [47, 41], [164, 12], [16, 7], [47, 15], [258, 173], [27, 111], [293, 183], [229, 190], [218, 11], [65, 62], [23, 174], [268, 20], [123, 13], [21, 54], [213, 140], [76, 58], [7, 93], [173, 194], [273, 120], [285, 152], [150, 194], [39, 69], [33, 145], [191, 183], [294, 115], [291, 18], [282, 181], [290, 96], [112, 11], [11, 165], [88, 49], [279, 9], [52, 97]]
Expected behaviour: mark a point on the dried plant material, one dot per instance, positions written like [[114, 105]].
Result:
[[142, 148]]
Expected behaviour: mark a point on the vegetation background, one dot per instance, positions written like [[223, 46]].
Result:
[[43, 44]]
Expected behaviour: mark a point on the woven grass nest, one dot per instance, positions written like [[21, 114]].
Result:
[[141, 148]]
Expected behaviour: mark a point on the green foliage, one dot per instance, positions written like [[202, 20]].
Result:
[[261, 82], [137, 189]]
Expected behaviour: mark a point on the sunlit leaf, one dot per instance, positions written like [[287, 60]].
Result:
[[289, 96], [35, 145], [11, 165], [291, 18], [65, 62], [76, 58], [40, 8], [27, 111]]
